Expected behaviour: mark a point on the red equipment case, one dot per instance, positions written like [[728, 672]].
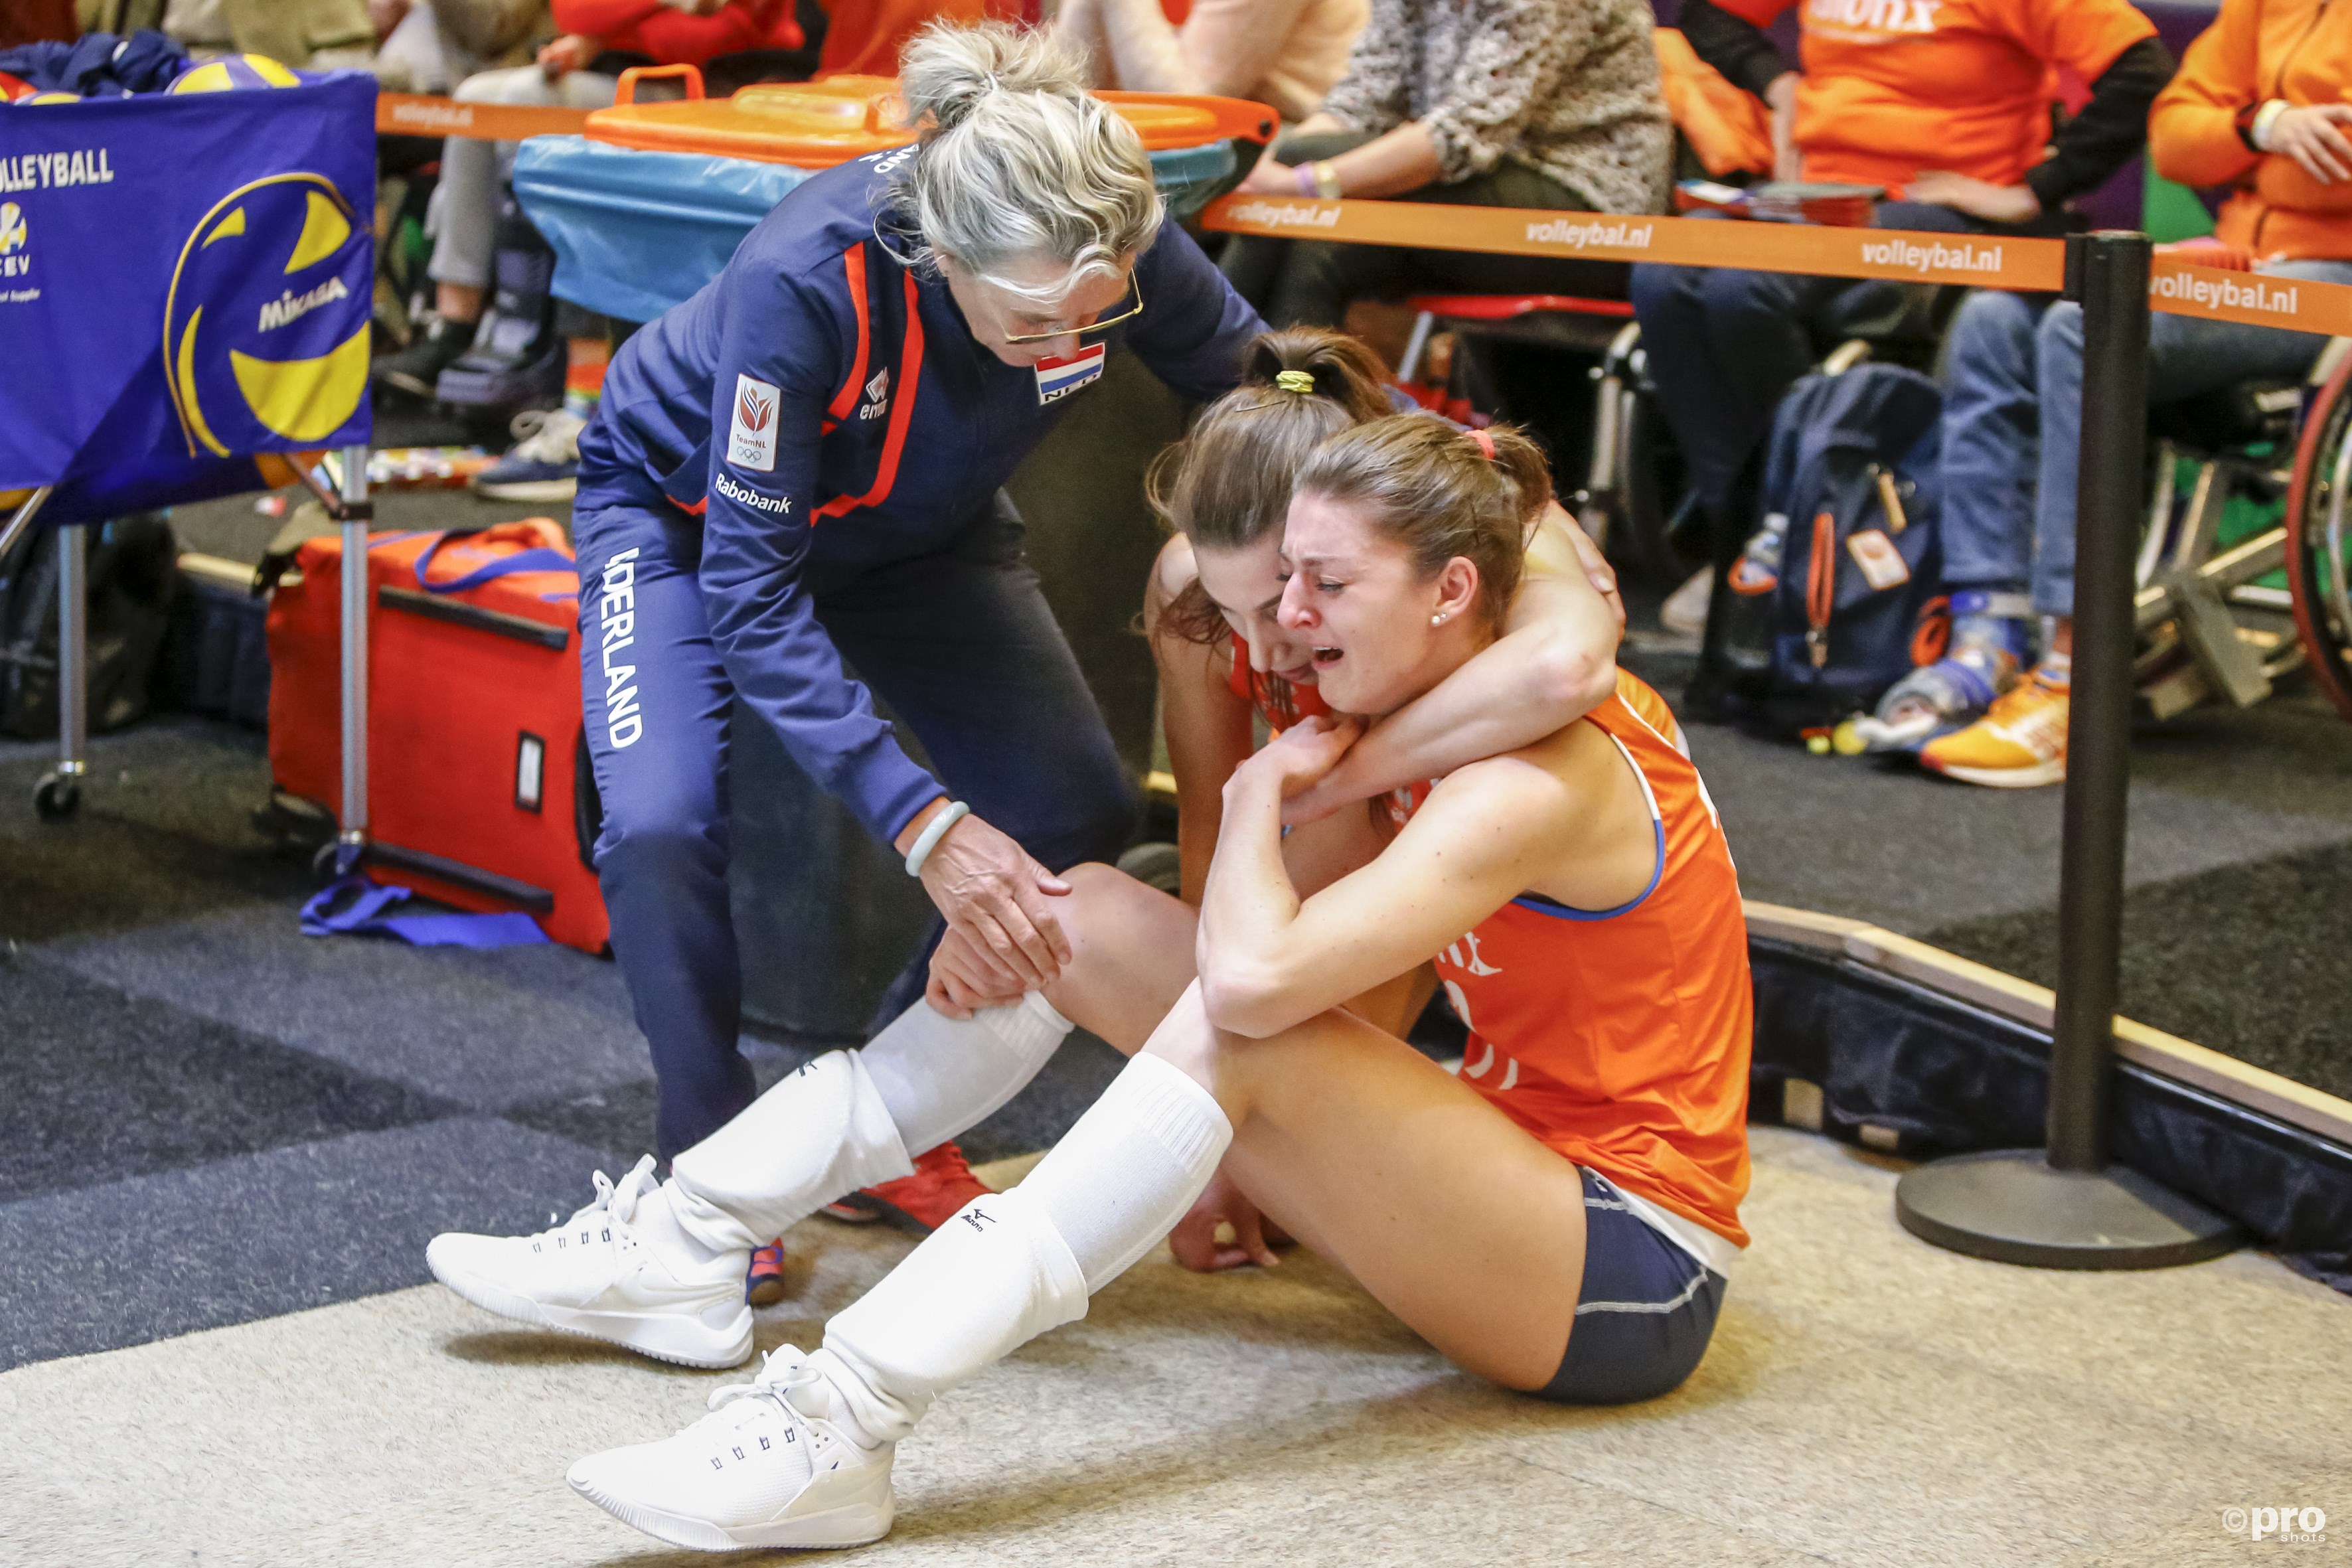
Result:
[[478, 787]]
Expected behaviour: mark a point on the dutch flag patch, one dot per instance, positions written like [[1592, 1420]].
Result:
[[1057, 378]]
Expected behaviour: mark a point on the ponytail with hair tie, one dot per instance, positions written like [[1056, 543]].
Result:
[[1297, 380], [1486, 442]]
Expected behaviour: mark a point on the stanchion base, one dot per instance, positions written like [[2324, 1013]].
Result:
[[2009, 1206]]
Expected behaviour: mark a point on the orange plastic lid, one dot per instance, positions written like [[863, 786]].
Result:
[[816, 124]]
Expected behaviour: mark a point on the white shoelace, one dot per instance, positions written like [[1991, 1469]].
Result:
[[619, 1199], [547, 436], [773, 1383]]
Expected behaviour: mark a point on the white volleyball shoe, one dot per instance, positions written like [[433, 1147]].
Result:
[[757, 1472], [606, 1274]]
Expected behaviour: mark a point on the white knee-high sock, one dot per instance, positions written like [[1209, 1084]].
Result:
[[851, 1119], [1010, 1267], [1124, 1175], [939, 1075]]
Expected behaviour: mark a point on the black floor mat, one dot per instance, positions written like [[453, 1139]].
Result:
[[102, 1085], [2254, 961]]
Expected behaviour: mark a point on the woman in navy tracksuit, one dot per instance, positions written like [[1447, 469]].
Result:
[[800, 464]]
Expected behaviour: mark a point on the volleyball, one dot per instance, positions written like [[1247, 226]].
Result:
[[267, 321], [234, 72]]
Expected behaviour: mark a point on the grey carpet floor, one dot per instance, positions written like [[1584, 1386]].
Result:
[[223, 1144], [1868, 1401]]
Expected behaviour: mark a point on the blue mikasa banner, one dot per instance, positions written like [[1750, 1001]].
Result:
[[184, 281]]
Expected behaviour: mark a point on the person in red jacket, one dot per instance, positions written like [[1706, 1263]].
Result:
[[580, 69]]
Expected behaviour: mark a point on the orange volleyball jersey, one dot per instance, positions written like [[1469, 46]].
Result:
[[1893, 87], [1620, 1037], [1281, 703]]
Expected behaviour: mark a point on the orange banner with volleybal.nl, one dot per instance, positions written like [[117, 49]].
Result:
[[1984, 261], [414, 114]]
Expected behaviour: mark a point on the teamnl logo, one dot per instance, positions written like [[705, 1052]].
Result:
[[1936, 258], [2303, 1526]]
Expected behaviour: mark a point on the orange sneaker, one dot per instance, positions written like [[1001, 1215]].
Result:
[[2019, 743], [764, 1283], [941, 1185]]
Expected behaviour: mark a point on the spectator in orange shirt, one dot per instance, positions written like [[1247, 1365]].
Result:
[[1945, 104], [2259, 105]]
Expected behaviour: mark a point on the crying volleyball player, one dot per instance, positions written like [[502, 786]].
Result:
[[1563, 1222]]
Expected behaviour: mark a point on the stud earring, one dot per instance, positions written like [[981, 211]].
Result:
[[1438, 619]]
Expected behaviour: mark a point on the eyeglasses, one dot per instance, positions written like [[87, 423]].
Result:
[[1134, 288]]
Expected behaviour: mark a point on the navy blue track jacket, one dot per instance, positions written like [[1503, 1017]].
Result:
[[832, 411]]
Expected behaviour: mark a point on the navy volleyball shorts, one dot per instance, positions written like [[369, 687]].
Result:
[[1644, 1314]]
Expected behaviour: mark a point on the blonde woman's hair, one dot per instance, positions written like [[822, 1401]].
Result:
[[1014, 157]]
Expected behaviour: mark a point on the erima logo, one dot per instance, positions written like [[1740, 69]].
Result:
[[616, 613], [14, 236], [752, 437], [742, 496], [1876, 16], [878, 393], [972, 1218], [289, 305]]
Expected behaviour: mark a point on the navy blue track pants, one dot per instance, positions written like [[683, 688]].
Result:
[[958, 643]]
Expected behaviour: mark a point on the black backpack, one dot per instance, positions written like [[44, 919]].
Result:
[[131, 574], [1840, 593]]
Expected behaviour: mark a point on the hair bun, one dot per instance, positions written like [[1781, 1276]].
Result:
[[949, 72]]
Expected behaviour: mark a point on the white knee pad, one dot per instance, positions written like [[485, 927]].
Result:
[[941, 1074], [817, 1135], [979, 1288]]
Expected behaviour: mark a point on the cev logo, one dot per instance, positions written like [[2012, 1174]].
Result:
[[14, 236]]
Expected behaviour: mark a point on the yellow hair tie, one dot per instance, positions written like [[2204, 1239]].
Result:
[[1297, 381]]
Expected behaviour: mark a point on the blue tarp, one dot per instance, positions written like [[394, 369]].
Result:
[[635, 233], [184, 281]]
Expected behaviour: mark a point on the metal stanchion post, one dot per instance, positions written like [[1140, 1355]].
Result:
[[20, 522], [2065, 1207], [59, 794], [350, 840]]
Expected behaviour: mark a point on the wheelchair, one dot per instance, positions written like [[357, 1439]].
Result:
[[2241, 574], [2316, 557]]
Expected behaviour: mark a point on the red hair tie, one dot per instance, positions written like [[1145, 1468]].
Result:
[[1486, 442]]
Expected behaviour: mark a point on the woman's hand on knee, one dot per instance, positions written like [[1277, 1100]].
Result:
[[572, 52], [998, 897], [962, 980], [1221, 1203]]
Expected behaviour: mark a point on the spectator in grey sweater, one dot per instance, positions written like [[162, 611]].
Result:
[[1514, 103]]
